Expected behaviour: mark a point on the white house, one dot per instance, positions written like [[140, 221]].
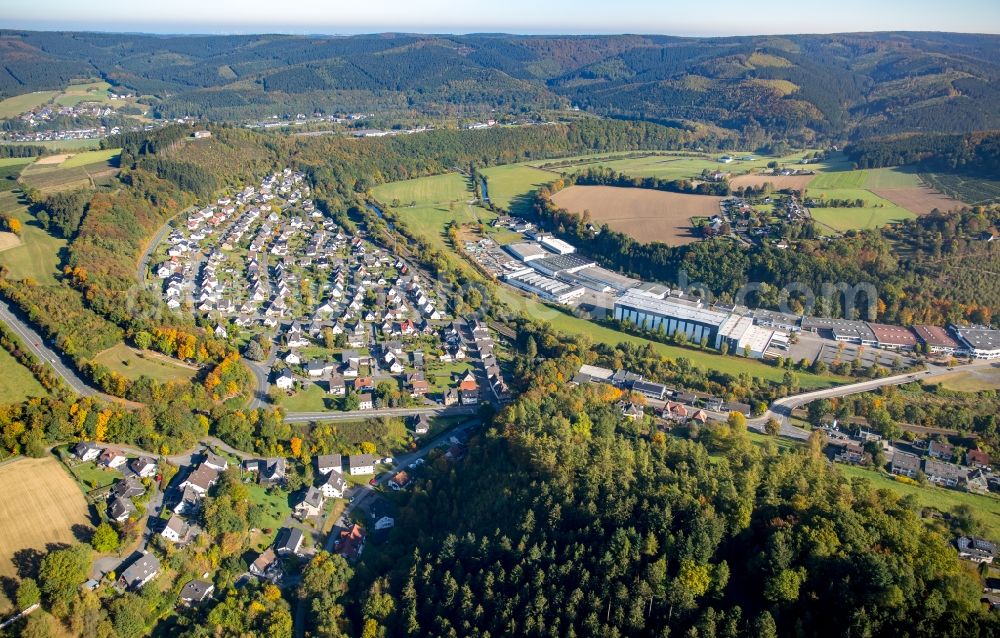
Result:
[[334, 486], [327, 463], [144, 467], [359, 464], [285, 380], [175, 530]]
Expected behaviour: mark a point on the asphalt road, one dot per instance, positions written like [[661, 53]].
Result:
[[143, 266], [781, 409], [40, 348]]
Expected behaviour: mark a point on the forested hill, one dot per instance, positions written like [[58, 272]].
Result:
[[788, 86]]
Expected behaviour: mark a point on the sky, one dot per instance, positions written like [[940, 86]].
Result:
[[672, 17]]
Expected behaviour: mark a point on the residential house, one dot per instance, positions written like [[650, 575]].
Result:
[[419, 387], [86, 450], [978, 550], [196, 591], [189, 502], [175, 530], [450, 397], [978, 459], [675, 411], [365, 401], [201, 479], [270, 471], [941, 450], [335, 486], [631, 410], [285, 380], [127, 488], [140, 572], [905, 464], [359, 464], [468, 382], [112, 457], [143, 466], [266, 565], [650, 390], [121, 509], [400, 480], [946, 474], [351, 542], [421, 424], [469, 397], [327, 463], [215, 462], [289, 541], [734, 406], [700, 416], [364, 384], [310, 505], [978, 481], [336, 385]]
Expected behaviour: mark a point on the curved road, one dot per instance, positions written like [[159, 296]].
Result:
[[143, 266], [40, 348], [781, 409]]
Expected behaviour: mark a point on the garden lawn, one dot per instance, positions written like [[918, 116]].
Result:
[[312, 398], [276, 507]]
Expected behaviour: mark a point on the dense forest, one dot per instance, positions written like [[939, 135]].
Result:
[[567, 518], [976, 154], [934, 269], [758, 88]]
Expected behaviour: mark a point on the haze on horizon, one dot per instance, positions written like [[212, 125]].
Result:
[[673, 17]]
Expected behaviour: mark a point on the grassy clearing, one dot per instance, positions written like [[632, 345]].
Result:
[[839, 179], [17, 383], [899, 177], [10, 171], [312, 398], [14, 106], [977, 380], [424, 191], [511, 186], [87, 92], [38, 256], [91, 157], [133, 364], [875, 213], [41, 505]]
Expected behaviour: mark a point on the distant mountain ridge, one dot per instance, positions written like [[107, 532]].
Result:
[[795, 86]]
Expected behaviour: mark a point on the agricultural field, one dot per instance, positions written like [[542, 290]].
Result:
[[17, 383], [41, 506], [647, 215], [875, 213], [510, 186], [87, 92], [14, 106], [132, 364], [674, 165], [64, 145], [428, 204], [88, 169], [780, 182], [10, 170], [974, 191], [38, 256]]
